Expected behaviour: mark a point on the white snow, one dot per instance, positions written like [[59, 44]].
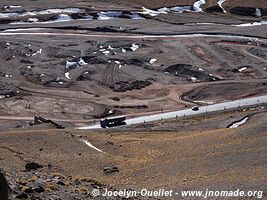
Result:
[[92, 146], [8, 76], [252, 24], [123, 50], [82, 62], [204, 23], [108, 15], [152, 61], [23, 29], [60, 83], [242, 69], [109, 47], [152, 13], [14, 6], [67, 75], [134, 47], [105, 52], [220, 3], [237, 124], [42, 12], [38, 52], [63, 18], [197, 5], [70, 64], [181, 9], [2, 96], [164, 9], [135, 16], [258, 12], [34, 20], [58, 11], [8, 15], [194, 79], [200, 69], [117, 62]]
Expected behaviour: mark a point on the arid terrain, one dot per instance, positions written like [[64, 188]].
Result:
[[68, 64]]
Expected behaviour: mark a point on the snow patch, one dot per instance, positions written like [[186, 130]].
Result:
[[152, 61], [67, 75], [8, 76], [220, 3], [105, 52], [152, 13], [108, 15], [237, 124], [82, 62], [70, 64], [38, 52], [4, 96], [197, 5], [109, 47], [134, 47], [92, 146], [252, 24], [194, 79], [242, 69], [42, 12], [258, 12], [181, 9]]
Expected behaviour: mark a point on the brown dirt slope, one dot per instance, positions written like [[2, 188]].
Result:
[[221, 159]]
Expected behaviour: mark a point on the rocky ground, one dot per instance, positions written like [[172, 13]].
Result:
[[59, 165], [66, 64]]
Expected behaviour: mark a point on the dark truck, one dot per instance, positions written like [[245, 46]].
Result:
[[112, 121]]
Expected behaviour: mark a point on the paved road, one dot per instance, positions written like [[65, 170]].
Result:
[[129, 36], [253, 101]]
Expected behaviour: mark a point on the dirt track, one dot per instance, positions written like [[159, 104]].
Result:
[[160, 95]]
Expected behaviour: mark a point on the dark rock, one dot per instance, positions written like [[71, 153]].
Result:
[[38, 189], [116, 98], [123, 86], [32, 166], [134, 61], [27, 190], [41, 120], [61, 183], [244, 11], [212, 9], [22, 196], [109, 170], [3, 188], [188, 71], [8, 89]]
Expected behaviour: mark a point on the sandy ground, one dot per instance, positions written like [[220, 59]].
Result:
[[171, 160]]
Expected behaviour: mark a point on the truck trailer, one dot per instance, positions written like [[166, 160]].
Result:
[[112, 121]]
